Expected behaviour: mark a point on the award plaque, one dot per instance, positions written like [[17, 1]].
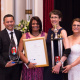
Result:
[[59, 49], [36, 51], [14, 54]]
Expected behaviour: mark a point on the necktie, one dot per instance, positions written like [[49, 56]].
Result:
[[12, 40], [11, 35]]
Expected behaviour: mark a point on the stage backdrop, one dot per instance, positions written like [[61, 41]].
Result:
[[48, 5], [70, 10]]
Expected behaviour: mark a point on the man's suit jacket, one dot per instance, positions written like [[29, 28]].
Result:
[[4, 45]]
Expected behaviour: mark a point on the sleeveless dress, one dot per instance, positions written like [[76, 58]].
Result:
[[32, 74], [48, 75], [74, 73]]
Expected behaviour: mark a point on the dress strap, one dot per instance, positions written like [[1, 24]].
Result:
[[42, 33], [27, 35], [60, 30]]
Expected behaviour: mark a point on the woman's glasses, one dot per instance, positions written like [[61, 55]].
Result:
[[54, 17], [76, 25]]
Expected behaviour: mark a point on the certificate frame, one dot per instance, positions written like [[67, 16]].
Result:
[[37, 48]]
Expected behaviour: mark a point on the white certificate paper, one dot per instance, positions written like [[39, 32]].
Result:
[[35, 51]]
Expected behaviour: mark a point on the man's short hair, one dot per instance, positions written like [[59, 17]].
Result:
[[8, 15]]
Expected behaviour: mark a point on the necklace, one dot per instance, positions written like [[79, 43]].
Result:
[[35, 35]]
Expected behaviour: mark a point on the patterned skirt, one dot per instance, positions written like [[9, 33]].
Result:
[[32, 74]]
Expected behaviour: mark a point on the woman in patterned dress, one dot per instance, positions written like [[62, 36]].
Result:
[[32, 73]]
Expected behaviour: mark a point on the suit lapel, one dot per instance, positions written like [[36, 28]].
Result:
[[7, 36]]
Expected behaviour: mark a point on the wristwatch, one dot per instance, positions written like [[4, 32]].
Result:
[[28, 63]]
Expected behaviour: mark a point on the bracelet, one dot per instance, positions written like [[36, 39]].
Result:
[[28, 63], [71, 66], [61, 62]]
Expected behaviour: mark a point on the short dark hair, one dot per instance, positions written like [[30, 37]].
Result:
[[8, 15], [76, 19], [38, 21], [56, 12]]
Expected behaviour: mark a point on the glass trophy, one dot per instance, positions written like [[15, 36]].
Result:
[[59, 49], [14, 54]]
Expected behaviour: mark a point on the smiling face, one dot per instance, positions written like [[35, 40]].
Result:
[[9, 23], [76, 27], [35, 26], [55, 19]]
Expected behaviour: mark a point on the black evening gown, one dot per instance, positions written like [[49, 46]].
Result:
[[48, 75]]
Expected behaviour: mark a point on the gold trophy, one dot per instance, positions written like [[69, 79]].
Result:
[[57, 37], [55, 31]]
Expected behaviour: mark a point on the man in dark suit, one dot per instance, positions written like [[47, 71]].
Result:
[[8, 69]]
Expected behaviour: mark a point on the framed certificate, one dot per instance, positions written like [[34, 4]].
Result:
[[36, 51]]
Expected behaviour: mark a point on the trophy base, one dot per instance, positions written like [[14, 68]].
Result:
[[18, 62], [57, 39]]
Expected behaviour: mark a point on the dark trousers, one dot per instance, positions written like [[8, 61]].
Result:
[[66, 76], [11, 73]]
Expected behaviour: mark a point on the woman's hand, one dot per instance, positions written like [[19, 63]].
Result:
[[67, 68], [56, 69], [32, 65]]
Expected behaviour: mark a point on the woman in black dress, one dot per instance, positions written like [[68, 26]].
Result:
[[55, 18]]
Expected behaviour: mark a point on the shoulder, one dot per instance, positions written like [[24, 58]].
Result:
[[63, 32], [50, 29], [24, 36], [17, 31], [45, 34], [3, 32], [70, 37]]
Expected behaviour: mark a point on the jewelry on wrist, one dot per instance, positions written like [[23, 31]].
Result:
[[71, 66], [28, 63], [61, 62]]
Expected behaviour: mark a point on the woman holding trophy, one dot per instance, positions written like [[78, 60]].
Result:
[[54, 32]]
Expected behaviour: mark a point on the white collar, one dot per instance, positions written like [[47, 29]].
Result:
[[10, 31]]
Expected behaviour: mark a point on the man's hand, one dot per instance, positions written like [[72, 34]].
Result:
[[10, 64]]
